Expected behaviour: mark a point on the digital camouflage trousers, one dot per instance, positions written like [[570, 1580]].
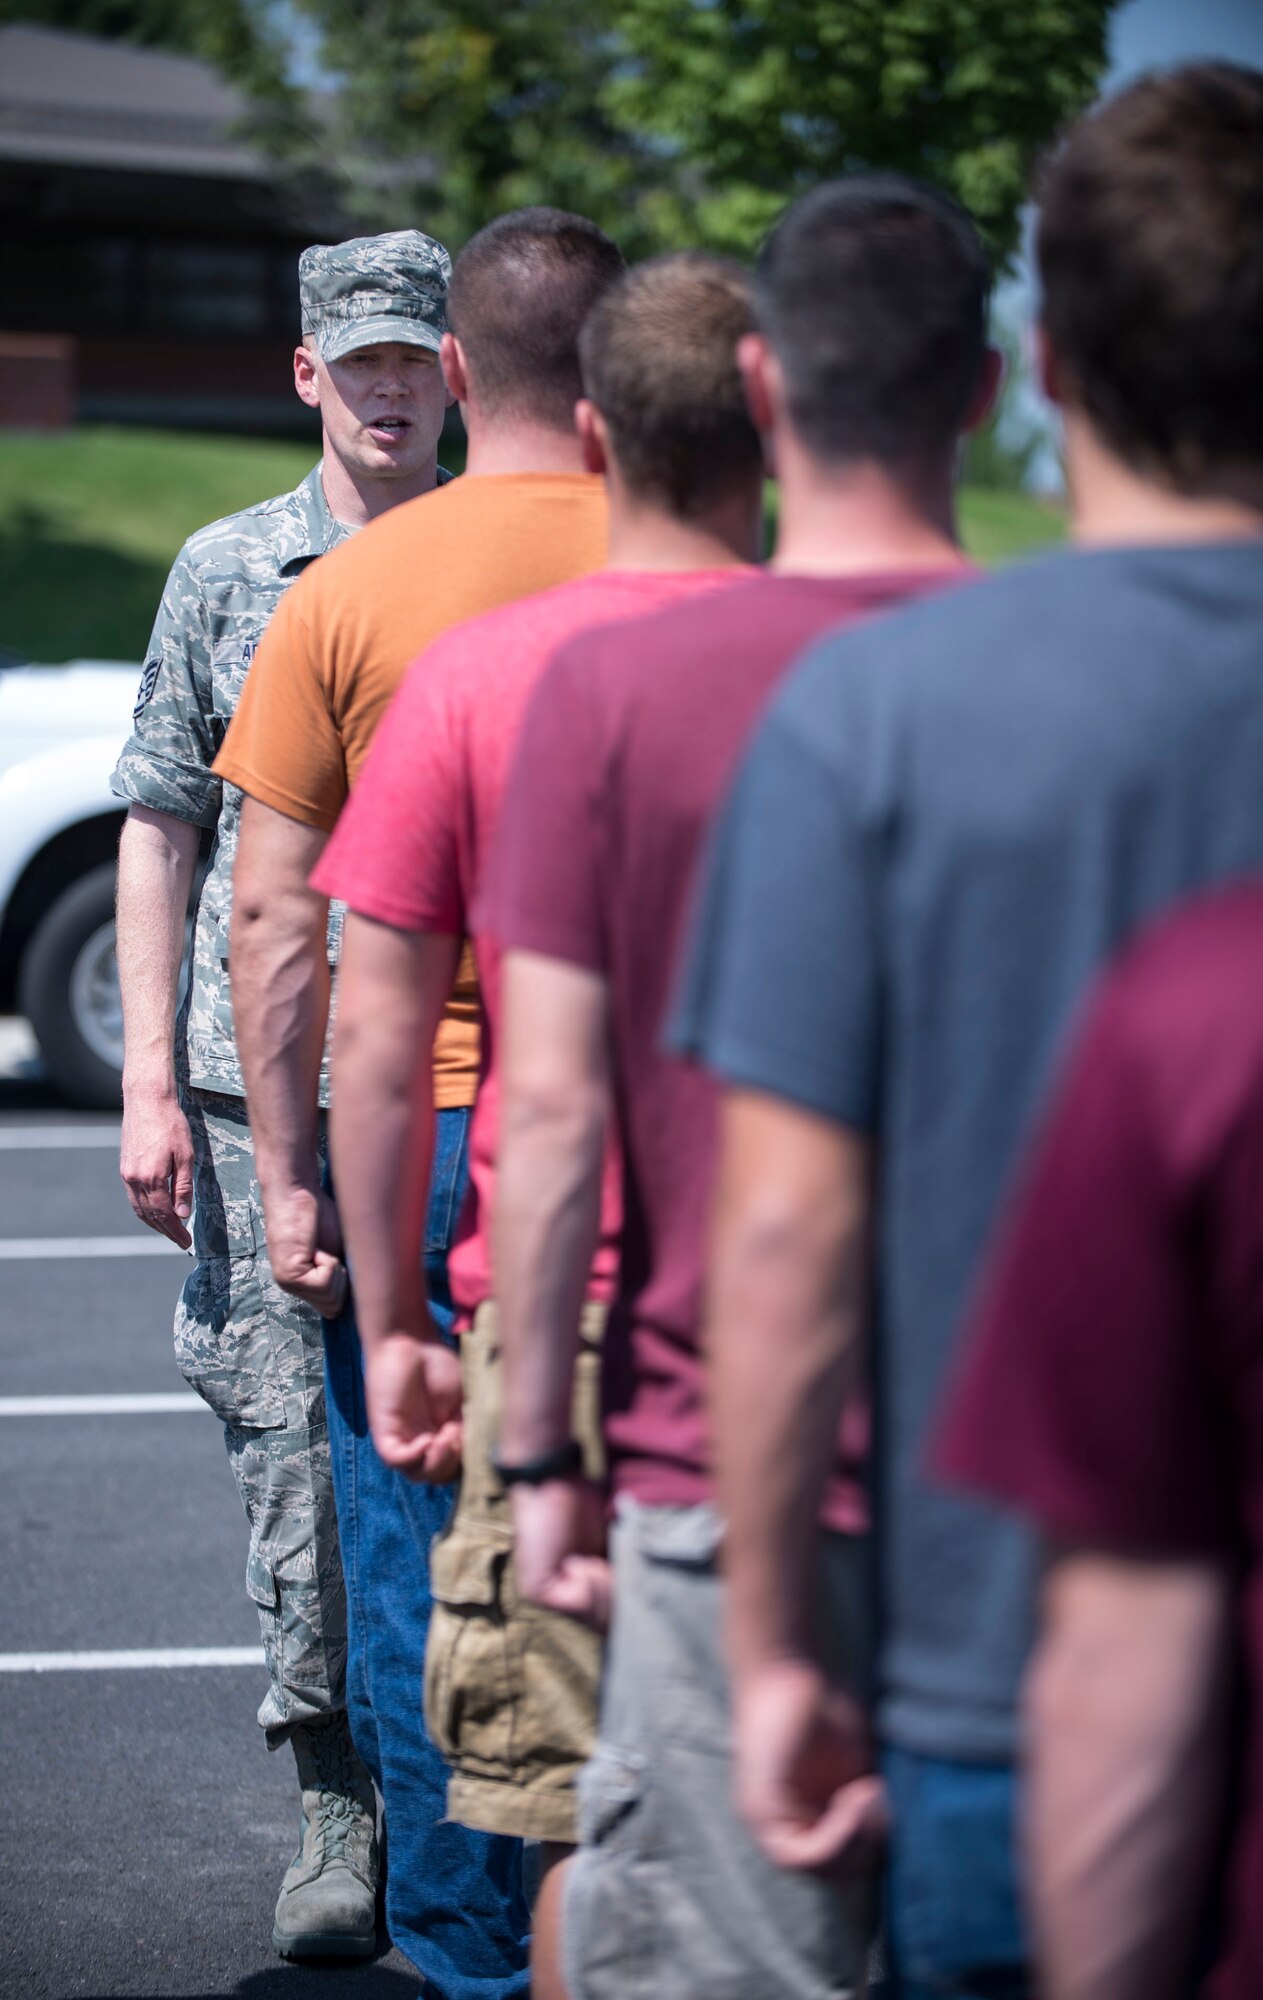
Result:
[[256, 1356]]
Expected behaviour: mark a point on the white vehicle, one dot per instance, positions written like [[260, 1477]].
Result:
[[61, 729]]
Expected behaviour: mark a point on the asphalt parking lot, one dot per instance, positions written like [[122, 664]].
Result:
[[145, 1826]]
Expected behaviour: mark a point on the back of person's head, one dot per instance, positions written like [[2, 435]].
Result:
[[873, 293], [659, 361], [1150, 252], [519, 294]]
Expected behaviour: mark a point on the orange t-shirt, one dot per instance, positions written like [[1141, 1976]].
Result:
[[343, 636]]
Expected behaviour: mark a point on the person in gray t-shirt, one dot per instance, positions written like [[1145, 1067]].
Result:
[[947, 821]]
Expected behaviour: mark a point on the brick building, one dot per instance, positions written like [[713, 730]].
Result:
[[147, 252]]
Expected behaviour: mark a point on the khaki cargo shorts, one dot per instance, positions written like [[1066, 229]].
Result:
[[510, 1688]]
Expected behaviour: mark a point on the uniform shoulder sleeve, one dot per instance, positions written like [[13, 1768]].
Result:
[[166, 762], [283, 745]]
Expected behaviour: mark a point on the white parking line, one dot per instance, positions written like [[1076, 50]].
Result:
[[53, 1248], [109, 1663], [168, 1401], [40, 1138]]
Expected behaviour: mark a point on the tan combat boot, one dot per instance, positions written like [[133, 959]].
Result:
[[328, 1900]]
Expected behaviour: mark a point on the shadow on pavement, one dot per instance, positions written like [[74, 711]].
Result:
[[33, 1093], [329, 1979]]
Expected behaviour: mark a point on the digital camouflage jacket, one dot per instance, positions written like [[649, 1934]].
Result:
[[223, 588]]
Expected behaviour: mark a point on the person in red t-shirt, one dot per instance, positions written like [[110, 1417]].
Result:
[[1113, 1390], [510, 1688], [869, 361]]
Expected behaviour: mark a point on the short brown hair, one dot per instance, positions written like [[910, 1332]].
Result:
[[659, 360], [1150, 250], [519, 294], [872, 290]]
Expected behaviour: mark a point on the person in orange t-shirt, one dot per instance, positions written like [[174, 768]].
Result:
[[526, 516]]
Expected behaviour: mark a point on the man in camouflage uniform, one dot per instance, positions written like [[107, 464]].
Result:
[[373, 317]]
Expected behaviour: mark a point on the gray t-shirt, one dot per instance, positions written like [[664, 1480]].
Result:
[[946, 821]]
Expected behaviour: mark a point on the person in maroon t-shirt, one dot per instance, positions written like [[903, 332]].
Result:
[[871, 358], [1113, 1390]]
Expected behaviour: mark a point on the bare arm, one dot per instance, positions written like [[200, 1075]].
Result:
[[1126, 1706], [785, 1335], [554, 1116], [393, 986], [280, 1002], [157, 859]]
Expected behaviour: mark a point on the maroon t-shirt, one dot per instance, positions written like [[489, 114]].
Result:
[[625, 752], [1113, 1384]]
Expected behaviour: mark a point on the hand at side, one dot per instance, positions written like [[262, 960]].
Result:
[[804, 1779]]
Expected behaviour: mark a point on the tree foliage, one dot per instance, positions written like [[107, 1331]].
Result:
[[167, 24], [693, 121], [459, 109], [755, 100]]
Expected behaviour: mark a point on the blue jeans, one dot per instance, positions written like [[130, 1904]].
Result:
[[953, 1911], [455, 1903]]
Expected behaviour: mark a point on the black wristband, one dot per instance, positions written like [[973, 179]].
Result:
[[563, 1462]]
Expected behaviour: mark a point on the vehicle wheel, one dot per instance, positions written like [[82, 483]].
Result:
[[69, 992]]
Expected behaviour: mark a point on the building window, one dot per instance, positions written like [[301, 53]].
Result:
[[139, 284], [202, 288], [55, 286]]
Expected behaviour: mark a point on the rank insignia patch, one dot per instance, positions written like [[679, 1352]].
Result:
[[148, 682]]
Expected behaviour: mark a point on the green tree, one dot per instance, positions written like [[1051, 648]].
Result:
[[166, 24], [455, 110], [752, 101], [693, 121], [677, 121]]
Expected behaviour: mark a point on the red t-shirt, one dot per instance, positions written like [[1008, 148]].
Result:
[[1113, 1384], [625, 754], [410, 844]]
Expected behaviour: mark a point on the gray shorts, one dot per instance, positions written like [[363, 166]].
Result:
[[669, 1897]]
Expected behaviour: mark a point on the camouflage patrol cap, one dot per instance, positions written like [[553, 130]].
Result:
[[374, 288]]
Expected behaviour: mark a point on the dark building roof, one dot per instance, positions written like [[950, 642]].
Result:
[[78, 101]]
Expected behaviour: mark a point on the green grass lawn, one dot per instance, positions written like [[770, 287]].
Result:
[[999, 527], [90, 521]]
